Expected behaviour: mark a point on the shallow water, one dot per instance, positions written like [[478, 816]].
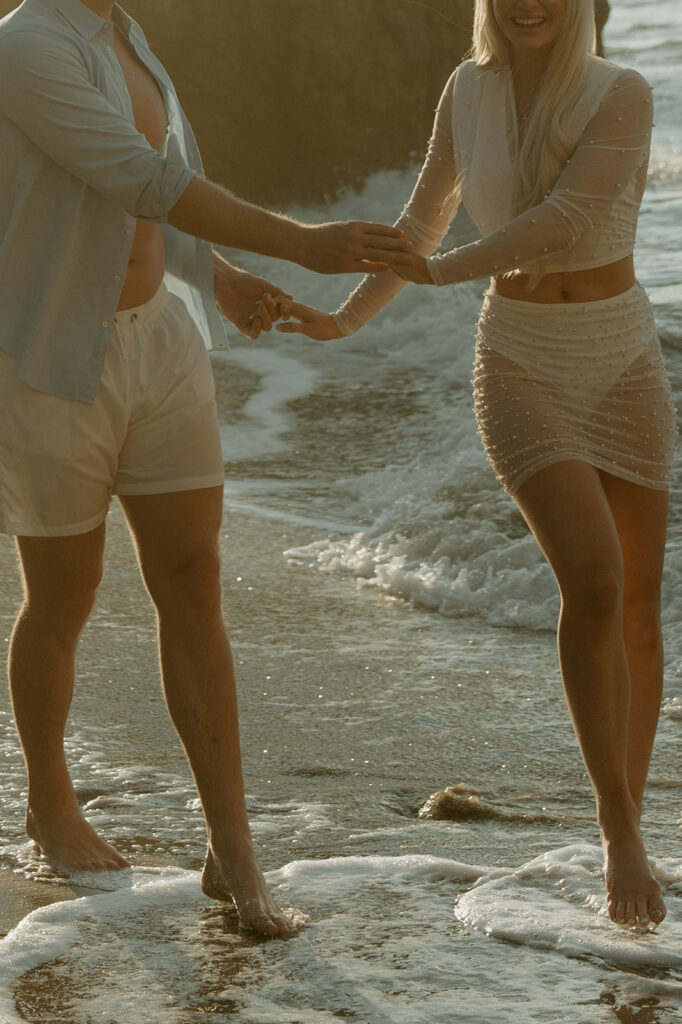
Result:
[[393, 633]]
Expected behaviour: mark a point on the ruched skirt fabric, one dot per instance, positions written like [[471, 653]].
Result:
[[557, 381]]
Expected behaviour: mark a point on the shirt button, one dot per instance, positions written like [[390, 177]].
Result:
[[105, 323], [129, 231], [117, 277]]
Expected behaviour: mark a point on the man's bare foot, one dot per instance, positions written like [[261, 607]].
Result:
[[634, 896], [246, 887], [69, 841]]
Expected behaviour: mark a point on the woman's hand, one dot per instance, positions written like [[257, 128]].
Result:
[[311, 322], [413, 269]]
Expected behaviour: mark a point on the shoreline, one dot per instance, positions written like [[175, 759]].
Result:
[[314, 651], [285, 623]]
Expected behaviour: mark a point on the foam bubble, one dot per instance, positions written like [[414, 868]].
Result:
[[556, 902]]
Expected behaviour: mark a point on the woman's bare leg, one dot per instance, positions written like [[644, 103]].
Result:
[[641, 517], [61, 575], [177, 537], [566, 507]]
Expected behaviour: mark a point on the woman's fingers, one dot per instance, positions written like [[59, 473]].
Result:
[[311, 322]]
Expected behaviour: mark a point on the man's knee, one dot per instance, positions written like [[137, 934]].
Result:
[[61, 577], [62, 606], [189, 579]]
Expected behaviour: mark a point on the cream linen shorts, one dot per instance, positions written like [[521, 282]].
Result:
[[152, 429]]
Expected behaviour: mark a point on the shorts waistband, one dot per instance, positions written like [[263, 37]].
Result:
[[149, 309], [615, 302]]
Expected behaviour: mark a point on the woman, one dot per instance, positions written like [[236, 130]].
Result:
[[547, 146]]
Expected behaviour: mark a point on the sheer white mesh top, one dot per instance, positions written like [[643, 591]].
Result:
[[587, 220]]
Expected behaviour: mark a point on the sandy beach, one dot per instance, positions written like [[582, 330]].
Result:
[[303, 642], [354, 707]]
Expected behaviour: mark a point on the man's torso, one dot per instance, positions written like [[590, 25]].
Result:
[[147, 256]]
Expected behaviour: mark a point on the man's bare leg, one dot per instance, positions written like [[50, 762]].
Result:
[[177, 537], [61, 576]]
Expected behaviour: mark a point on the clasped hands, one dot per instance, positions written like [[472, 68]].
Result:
[[255, 305]]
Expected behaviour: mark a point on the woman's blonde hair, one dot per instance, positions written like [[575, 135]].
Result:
[[551, 132]]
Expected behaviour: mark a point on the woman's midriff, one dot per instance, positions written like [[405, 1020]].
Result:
[[572, 286]]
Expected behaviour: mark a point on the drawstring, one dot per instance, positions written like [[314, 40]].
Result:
[[119, 339]]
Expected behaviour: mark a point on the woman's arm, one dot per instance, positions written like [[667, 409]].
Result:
[[613, 147], [425, 219]]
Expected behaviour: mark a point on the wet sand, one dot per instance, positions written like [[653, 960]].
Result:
[[348, 699], [294, 632]]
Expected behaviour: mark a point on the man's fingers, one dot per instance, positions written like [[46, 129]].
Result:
[[381, 256], [372, 228], [255, 326], [265, 316], [370, 266], [384, 238], [282, 306]]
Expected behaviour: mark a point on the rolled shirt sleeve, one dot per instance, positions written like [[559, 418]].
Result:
[[46, 91]]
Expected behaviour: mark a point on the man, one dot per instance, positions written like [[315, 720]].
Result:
[[107, 289]]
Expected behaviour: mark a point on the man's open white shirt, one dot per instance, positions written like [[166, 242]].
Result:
[[75, 175]]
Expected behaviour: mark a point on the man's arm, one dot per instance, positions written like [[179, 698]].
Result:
[[45, 90], [208, 211]]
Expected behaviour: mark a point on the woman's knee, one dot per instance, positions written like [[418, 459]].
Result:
[[594, 589], [642, 620]]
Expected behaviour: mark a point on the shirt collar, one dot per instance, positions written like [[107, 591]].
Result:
[[86, 22]]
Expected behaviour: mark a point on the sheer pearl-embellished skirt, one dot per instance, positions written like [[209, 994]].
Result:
[[557, 381]]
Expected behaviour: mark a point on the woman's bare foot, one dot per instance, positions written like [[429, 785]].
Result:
[[246, 887], [634, 896], [69, 841]]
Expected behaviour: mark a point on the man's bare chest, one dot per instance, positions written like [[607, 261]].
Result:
[[149, 108]]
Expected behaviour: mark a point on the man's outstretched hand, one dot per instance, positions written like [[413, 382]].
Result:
[[251, 303], [346, 247]]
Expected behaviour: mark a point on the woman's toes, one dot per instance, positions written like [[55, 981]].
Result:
[[657, 910], [642, 913]]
